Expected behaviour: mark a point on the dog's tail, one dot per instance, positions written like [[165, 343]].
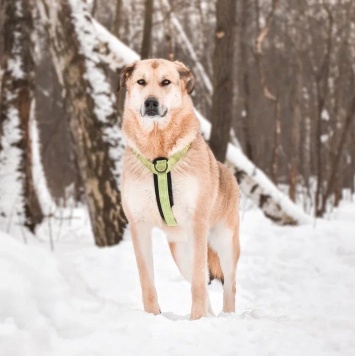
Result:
[[214, 266]]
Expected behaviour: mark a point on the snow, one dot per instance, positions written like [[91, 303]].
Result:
[[39, 179], [11, 203], [324, 138], [295, 294], [15, 67], [126, 55], [325, 115]]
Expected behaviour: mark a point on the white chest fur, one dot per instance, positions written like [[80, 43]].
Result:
[[139, 195]]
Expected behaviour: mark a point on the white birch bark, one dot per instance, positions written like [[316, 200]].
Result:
[[93, 116]]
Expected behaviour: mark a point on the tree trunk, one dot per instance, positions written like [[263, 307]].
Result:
[[295, 130], [93, 117], [147, 31], [17, 190], [117, 23], [319, 155], [263, 32], [246, 118], [331, 183], [223, 60], [93, 9], [322, 88]]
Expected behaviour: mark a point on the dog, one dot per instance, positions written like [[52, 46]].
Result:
[[200, 196]]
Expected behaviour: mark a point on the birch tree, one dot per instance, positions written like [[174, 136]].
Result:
[[18, 197], [93, 117]]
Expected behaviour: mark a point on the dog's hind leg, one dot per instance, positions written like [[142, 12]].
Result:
[[142, 243], [225, 242], [183, 254]]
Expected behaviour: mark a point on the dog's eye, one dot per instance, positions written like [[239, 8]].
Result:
[[165, 82], [141, 82]]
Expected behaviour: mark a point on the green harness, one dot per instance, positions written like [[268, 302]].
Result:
[[161, 168]]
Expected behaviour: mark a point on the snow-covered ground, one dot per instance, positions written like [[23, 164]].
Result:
[[296, 294]]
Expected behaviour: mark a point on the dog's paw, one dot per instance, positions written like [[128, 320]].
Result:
[[198, 313], [152, 309]]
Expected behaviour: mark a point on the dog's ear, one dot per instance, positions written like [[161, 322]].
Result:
[[186, 76], [125, 74]]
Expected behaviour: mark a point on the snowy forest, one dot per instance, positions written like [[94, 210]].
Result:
[[275, 97]]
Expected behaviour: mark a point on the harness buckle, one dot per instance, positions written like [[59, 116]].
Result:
[[161, 165]]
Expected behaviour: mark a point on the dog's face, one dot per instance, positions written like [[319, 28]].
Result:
[[155, 89]]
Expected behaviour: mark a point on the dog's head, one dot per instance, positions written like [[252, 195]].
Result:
[[156, 88]]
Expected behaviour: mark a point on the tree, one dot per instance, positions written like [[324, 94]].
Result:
[[321, 76], [243, 70], [222, 99], [117, 22], [17, 192], [147, 31], [263, 32], [331, 182], [93, 117]]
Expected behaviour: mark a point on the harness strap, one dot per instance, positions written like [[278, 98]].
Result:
[[161, 168]]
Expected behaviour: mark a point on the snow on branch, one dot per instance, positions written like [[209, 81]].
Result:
[[39, 178], [256, 185], [111, 50]]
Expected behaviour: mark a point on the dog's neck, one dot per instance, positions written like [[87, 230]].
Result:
[[182, 129]]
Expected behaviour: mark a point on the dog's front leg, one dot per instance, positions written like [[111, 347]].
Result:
[[199, 271], [142, 243]]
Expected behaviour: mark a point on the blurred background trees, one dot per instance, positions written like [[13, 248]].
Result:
[[291, 106], [290, 101]]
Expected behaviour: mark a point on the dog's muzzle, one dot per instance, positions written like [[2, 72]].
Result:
[[151, 108]]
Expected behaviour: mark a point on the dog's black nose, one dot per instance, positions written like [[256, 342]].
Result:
[[151, 104]]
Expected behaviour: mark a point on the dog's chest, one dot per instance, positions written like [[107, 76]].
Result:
[[139, 194]]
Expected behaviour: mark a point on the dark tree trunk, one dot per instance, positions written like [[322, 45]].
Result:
[[331, 183], [259, 56], [322, 89], [16, 100], [223, 59], [94, 129], [93, 9], [246, 118], [319, 155], [147, 31], [295, 131], [117, 23]]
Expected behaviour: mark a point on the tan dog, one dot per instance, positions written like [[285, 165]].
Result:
[[159, 120]]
